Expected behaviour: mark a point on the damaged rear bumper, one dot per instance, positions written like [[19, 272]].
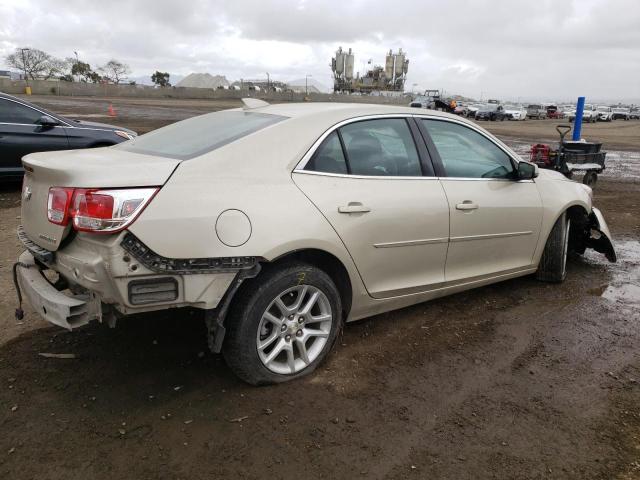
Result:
[[67, 311]]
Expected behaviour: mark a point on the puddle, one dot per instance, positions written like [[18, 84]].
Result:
[[624, 287], [620, 165]]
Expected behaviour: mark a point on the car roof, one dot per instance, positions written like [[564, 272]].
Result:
[[342, 110]]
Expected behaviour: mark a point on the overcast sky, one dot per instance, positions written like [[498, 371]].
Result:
[[510, 49]]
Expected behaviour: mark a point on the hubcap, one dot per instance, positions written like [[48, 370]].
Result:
[[294, 329]]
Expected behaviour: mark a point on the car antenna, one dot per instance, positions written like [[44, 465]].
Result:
[[250, 103]]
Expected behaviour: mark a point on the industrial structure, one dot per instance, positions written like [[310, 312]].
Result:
[[391, 77]]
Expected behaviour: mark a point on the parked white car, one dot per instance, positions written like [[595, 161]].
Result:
[[605, 114], [515, 112], [281, 222], [589, 114]]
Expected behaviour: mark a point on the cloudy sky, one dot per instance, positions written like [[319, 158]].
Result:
[[510, 49]]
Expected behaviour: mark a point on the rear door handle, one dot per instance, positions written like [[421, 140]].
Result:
[[466, 206], [354, 207]]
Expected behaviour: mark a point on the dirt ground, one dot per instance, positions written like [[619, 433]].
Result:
[[518, 380]]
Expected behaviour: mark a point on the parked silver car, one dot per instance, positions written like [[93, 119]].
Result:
[[281, 222]]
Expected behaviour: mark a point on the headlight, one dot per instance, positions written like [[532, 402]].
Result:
[[124, 134]]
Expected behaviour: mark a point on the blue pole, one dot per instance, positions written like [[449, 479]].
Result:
[[577, 123]]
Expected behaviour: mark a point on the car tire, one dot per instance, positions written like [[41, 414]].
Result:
[[249, 324], [553, 264]]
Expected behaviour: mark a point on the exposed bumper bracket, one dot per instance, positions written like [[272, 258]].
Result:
[[67, 311]]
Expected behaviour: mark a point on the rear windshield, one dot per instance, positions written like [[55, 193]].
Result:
[[199, 135]]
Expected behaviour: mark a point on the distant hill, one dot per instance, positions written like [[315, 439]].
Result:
[[203, 80], [314, 86]]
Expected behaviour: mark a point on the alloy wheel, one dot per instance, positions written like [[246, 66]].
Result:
[[294, 329]]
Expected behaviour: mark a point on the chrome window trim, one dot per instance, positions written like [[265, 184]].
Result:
[[364, 177], [299, 168], [59, 126], [36, 109]]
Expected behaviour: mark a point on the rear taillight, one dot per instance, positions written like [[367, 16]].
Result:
[[58, 205], [97, 210]]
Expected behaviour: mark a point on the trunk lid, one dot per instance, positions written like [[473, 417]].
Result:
[[91, 168]]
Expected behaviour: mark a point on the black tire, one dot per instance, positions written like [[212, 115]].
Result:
[[240, 350], [553, 264]]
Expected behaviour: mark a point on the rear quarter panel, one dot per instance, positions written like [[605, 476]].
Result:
[[251, 177]]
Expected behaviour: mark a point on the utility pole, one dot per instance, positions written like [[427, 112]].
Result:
[[306, 84], [77, 61], [24, 65], [268, 81]]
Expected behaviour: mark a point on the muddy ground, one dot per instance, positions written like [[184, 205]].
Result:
[[519, 380]]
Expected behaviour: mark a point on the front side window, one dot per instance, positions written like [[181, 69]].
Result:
[[467, 154], [12, 112]]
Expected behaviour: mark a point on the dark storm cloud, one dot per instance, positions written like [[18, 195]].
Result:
[[510, 48]]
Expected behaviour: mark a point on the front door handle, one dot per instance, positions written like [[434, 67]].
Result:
[[466, 206], [354, 207]]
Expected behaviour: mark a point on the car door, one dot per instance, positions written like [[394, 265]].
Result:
[[376, 187], [21, 134], [495, 219]]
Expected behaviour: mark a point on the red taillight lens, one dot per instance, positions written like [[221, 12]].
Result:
[[88, 203], [96, 210], [58, 205]]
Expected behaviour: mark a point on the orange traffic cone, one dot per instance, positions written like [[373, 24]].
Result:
[[112, 112]]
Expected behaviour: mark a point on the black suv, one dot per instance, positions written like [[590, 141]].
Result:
[[491, 112], [26, 128]]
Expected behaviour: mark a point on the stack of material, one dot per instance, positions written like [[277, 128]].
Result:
[[203, 80]]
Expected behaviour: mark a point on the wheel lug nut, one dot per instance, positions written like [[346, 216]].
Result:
[[299, 333], [290, 317], [300, 319], [288, 338], [283, 328]]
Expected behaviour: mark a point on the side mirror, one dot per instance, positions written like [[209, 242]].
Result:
[[527, 171], [47, 121]]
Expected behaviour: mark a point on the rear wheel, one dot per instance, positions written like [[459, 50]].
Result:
[[283, 325], [553, 264]]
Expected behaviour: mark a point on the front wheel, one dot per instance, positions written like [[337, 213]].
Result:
[[553, 264], [283, 324]]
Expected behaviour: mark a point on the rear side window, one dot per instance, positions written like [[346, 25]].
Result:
[[467, 154], [12, 112], [199, 135], [382, 147], [329, 157]]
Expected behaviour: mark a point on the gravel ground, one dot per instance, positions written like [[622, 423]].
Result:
[[518, 380]]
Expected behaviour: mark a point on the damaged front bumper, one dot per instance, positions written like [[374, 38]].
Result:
[[599, 235]]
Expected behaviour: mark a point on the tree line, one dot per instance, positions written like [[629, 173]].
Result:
[[37, 64]]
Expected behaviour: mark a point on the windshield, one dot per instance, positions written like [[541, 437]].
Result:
[[621, 110], [604, 109], [199, 135], [512, 107], [489, 108]]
